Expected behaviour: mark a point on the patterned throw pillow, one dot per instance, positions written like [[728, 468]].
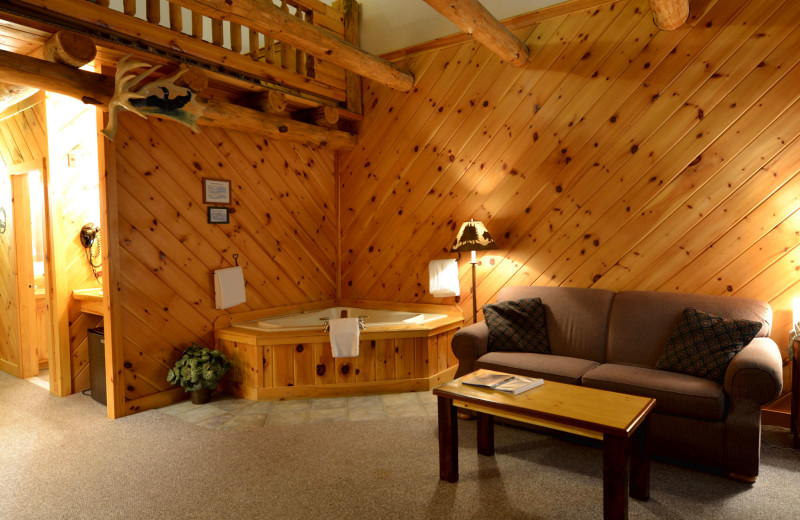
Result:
[[702, 345], [517, 326]]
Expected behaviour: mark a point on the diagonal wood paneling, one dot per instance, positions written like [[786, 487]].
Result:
[[283, 227], [621, 157]]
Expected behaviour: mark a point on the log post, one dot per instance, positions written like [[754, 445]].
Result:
[[252, 37], [129, 7], [472, 18], [197, 25], [300, 56], [668, 15], [216, 33], [285, 50], [176, 18], [352, 13], [236, 37], [154, 11]]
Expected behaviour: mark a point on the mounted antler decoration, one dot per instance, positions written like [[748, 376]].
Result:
[[161, 97]]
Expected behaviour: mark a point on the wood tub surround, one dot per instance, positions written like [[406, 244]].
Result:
[[294, 364]]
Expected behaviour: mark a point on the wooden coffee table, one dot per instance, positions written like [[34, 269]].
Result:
[[619, 420]]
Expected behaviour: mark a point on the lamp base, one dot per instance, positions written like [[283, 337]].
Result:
[[474, 295]]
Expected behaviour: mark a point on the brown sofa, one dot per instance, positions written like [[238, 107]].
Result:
[[613, 341]]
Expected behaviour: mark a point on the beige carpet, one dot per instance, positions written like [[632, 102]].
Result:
[[61, 458]]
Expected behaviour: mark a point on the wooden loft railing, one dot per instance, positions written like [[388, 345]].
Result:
[[262, 48], [236, 48]]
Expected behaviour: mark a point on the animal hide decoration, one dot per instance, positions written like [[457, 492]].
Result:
[[161, 97]]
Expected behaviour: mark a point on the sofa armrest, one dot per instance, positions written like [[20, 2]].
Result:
[[755, 373], [469, 344]]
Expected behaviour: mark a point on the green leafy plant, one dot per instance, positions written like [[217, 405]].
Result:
[[198, 368]]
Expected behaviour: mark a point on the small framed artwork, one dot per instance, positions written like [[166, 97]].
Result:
[[216, 191], [218, 215]]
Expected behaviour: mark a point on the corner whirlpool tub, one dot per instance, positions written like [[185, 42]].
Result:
[[285, 354]]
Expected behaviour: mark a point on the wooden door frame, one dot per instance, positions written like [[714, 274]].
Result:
[[112, 321]]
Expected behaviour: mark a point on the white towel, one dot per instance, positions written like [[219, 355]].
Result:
[[229, 287], [443, 277], [344, 337]]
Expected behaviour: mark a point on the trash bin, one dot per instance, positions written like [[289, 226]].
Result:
[[97, 364]]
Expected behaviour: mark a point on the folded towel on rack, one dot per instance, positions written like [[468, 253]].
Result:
[[229, 287], [344, 337], [443, 278]]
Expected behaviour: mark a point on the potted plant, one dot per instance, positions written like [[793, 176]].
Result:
[[198, 371]]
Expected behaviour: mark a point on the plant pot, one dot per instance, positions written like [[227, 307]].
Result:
[[201, 396]]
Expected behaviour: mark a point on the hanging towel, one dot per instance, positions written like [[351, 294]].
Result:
[[344, 337], [229, 287], [443, 275]]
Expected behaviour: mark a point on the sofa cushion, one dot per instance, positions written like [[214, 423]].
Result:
[[675, 394], [577, 318], [517, 326], [702, 344], [642, 322], [548, 366]]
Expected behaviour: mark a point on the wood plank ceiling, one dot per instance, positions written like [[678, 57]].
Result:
[[621, 157]]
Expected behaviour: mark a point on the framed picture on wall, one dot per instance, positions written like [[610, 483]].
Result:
[[216, 191], [218, 215]]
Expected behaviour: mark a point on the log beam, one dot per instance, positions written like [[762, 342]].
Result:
[[326, 116], [13, 94], [64, 47], [668, 15], [272, 102], [264, 16], [98, 89], [69, 48], [471, 17]]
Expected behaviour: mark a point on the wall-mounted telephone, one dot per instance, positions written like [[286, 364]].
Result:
[[90, 240], [88, 235]]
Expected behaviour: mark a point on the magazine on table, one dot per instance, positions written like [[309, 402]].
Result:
[[505, 382], [490, 380], [518, 384]]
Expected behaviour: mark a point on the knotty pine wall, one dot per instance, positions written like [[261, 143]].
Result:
[[282, 226], [620, 157], [72, 131]]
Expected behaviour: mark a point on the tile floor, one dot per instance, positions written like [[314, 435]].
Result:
[[42, 380], [228, 412]]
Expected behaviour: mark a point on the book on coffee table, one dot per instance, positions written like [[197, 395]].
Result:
[[489, 380], [504, 382], [518, 384]]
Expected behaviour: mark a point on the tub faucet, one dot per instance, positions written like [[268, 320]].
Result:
[[326, 327]]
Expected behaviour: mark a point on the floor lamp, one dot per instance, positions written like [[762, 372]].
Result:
[[472, 237]]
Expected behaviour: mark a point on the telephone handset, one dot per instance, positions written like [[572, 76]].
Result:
[[90, 240], [88, 235]]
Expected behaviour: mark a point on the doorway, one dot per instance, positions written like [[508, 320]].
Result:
[[30, 242]]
